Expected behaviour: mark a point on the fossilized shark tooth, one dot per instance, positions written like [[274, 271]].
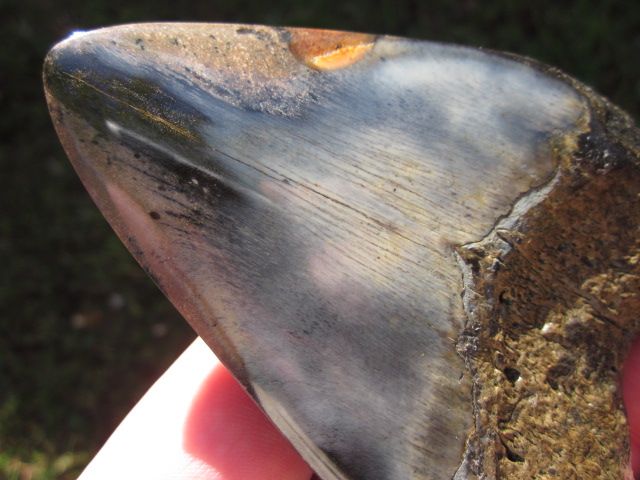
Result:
[[421, 260]]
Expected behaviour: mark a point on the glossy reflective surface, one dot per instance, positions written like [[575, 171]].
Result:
[[298, 195]]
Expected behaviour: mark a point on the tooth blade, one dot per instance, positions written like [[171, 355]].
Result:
[[299, 196]]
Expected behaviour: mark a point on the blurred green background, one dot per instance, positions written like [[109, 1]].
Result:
[[83, 332]]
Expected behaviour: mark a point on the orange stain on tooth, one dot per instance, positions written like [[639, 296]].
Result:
[[327, 49]]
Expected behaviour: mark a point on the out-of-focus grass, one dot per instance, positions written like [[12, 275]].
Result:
[[43, 466], [82, 330]]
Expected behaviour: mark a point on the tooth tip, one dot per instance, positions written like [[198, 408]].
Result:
[[62, 56]]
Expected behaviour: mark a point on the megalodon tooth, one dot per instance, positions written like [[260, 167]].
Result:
[[421, 260]]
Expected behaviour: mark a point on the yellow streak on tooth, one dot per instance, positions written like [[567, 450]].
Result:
[[340, 58], [155, 118]]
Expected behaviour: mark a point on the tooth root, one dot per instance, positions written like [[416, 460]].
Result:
[[329, 211]]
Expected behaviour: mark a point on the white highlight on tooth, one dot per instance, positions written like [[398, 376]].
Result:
[[113, 127], [120, 131], [547, 328], [77, 34]]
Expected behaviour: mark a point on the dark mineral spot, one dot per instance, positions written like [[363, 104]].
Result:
[[513, 456], [564, 367], [251, 31], [505, 297], [512, 374], [244, 31]]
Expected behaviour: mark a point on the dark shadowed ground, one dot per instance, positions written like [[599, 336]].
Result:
[[83, 332]]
